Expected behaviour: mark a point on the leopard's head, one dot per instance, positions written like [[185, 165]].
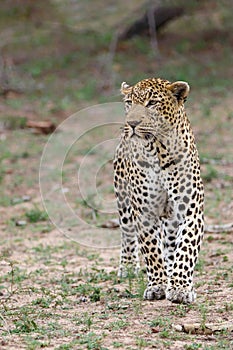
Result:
[[153, 107]]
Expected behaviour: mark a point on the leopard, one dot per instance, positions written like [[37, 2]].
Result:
[[159, 190]]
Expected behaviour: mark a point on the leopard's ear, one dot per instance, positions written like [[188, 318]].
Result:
[[125, 88], [180, 89]]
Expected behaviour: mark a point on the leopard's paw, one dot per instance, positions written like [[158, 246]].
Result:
[[154, 293], [181, 296]]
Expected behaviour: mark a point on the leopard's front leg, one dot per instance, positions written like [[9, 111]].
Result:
[[180, 282], [129, 258], [151, 246]]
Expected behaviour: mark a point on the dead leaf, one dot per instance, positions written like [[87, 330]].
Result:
[[155, 330], [113, 223]]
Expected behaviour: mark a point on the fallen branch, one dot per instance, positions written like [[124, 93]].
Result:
[[219, 228], [208, 328], [216, 161], [114, 223], [142, 26]]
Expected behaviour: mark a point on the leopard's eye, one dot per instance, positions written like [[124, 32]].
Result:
[[152, 103]]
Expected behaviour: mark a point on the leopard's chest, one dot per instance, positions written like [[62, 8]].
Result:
[[145, 184]]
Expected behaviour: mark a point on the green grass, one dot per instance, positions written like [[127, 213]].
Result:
[[36, 215], [210, 173], [193, 346]]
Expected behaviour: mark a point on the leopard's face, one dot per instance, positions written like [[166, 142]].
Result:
[[153, 107]]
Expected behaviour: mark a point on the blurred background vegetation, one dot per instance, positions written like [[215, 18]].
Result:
[[57, 54]]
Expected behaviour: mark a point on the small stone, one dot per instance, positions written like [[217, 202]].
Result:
[[21, 223], [26, 198], [177, 327], [82, 299]]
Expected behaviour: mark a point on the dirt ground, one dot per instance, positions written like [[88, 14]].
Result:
[[56, 294]]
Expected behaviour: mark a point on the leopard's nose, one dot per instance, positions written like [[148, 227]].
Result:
[[133, 123]]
